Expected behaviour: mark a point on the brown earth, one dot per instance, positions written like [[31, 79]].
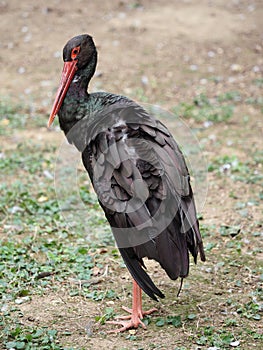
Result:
[[162, 52]]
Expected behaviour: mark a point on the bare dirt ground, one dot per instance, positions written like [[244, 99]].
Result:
[[163, 52]]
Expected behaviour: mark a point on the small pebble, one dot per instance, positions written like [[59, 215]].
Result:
[[251, 8], [256, 69], [98, 74], [212, 137], [21, 70], [211, 54], [209, 270], [193, 67], [24, 29], [145, 80], [235, 343], [15, 209], [231, 80], [4, 308], [46, 10], [235, 67], [45, 83], [89, 329], [203, 81], [42, 199], [224, 168], [28, 38], [207, 124], [122, 15], [22, 300]]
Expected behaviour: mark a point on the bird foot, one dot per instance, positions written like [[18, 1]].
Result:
[[141, 313], [126, 325], [130, 321]]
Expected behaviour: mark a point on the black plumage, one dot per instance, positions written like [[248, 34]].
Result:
[[136, 168]]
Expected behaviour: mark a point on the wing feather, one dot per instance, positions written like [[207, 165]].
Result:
[[142, 166]]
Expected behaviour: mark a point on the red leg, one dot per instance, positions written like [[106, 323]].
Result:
[[136, 313]]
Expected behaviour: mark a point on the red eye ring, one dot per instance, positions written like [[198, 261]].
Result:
[[75, 52]]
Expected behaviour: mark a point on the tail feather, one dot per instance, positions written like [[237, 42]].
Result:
[[172, 252], [139, 274], [169, 249]]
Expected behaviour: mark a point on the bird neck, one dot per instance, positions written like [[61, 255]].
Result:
[[79, 85], [76, 101]]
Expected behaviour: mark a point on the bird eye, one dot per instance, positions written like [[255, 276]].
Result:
[[75, 52]]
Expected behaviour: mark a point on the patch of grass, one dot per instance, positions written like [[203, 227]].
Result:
[[31, 338], [33, 259], [170, 320], [229, 96], [220, 338], [108, 314], [258, 82], [18, 115], [101, 295], [252, 309], [237, 170], [229, 231], [139, 94], [203, 109], [29, 158], [88, 198], [20, 202], [257, 101], [11, 116], [207, 230]]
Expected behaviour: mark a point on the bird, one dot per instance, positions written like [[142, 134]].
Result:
[[138, 172]]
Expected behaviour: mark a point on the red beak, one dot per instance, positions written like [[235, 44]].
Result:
[[68, 73]]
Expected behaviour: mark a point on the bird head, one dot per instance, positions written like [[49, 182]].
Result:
[[77, 54]]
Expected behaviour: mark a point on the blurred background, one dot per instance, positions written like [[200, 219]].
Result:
[[148, 49], [201, 60]]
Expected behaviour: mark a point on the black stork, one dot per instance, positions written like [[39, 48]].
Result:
[[138, 172]]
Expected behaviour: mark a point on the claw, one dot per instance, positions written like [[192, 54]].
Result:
[[126, 325], [136, 313]]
